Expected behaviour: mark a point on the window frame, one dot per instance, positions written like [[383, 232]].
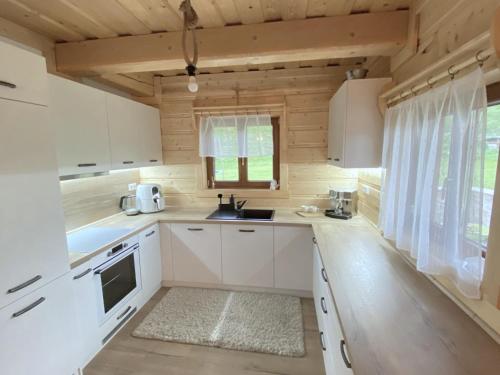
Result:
[[243, 182]]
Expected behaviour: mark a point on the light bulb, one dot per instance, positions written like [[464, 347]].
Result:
[[192, 84]]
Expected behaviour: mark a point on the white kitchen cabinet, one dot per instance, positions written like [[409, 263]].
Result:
[[87, 313], [134, 131], [23, 75], [293, 257], [167, 256], [31, 218], [247, 255], [38, 332], [331, 335], [151, 262], [78, 116], [355, 131], [196, 253]]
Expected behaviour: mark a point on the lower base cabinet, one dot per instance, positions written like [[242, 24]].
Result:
[[335, 355], [38, 332], [151, 262], [247, 255]]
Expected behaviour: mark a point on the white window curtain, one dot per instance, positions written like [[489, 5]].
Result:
[[236, 136], [432, 193]]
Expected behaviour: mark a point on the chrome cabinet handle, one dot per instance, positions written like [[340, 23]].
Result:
[[336, 159], [86, 272], [246, 230], [128, 162], [322, 303], [323, 347], [150, 233], [82, 165], [153, 160], [344, 355], [24, 285], [28, 308], [123, 313], [315, 241], [7, 84], [195, 229], [323, 274]]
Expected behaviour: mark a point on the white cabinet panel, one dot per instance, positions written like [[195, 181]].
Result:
[[34, 247], [355, 131], [197, 253], [87, 312], [151, 136], [150, 259], [247, 255], [23, 75], [293, 257], [167, 257], [78, 115], [38, 332]]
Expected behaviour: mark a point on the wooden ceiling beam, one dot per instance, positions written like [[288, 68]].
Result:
[[369, 34]]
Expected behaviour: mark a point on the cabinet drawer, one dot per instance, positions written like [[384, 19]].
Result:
[[247, 255], [196, 253], [23, 75], [37, 329]]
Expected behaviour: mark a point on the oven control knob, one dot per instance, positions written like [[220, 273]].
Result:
[[125, 244]]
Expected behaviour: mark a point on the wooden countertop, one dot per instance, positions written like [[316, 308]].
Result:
[[395, 321]]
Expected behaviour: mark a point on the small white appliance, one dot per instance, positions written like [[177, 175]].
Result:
[[149, 198]]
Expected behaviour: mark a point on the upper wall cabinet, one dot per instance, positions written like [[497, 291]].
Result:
[[23, 75], [78, 115], [355, 131], [134, 130]]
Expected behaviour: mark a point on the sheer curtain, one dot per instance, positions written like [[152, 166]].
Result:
[[236, 136], [432, 191]]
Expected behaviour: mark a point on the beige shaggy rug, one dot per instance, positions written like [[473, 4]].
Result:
[[258, 322]]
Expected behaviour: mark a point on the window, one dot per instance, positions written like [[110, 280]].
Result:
[[253, 172]]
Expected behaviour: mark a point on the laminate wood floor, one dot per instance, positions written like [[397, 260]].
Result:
[[127, 355]]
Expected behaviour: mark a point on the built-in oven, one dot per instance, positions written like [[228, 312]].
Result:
[[117, 278]]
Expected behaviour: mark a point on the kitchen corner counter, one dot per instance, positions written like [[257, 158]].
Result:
[[395, 321]]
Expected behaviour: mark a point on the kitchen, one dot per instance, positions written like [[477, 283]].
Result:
[[203, 187]]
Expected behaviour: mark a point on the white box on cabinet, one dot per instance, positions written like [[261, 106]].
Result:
[[30, 187], [196, 253], [355, 130], [78, 115], [38, 332], [247, 255], [293, 257]]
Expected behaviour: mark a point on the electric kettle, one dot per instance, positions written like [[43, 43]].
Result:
[[128, 203]]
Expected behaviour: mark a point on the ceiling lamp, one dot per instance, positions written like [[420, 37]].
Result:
[[190, 21]]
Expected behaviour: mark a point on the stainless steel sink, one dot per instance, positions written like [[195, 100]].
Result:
[[245, 214]]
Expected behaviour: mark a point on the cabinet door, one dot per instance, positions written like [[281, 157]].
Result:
[[167, 256], [78, 115], [150, 258], [38, 332], [197, 253], [31, 217], [293, 257], [336, 127], [87, 312], [151, 138], [124, 117], [247, 255], [23, 75]]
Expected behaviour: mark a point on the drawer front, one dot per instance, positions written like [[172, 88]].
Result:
[[247, 255], [326, 313], [23, 75], [36, 329]]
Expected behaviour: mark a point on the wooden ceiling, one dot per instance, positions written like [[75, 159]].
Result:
[[76, 20]]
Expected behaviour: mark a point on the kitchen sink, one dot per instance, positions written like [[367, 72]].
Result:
[[245, 214]]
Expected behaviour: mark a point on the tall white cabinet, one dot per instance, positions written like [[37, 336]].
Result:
[[37, 309], [356, 128]]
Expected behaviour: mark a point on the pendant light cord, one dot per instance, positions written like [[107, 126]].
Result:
[[190, 22]]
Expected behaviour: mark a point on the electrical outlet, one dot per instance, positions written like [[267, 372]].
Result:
[[132, 186]]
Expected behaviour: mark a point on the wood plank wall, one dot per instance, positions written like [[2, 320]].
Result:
[[299, 96], [86, 200]]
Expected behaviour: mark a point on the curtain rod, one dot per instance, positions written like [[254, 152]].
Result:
[[480, 57], [264, 108]]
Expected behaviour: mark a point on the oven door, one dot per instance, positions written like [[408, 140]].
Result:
[[117, 281]]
